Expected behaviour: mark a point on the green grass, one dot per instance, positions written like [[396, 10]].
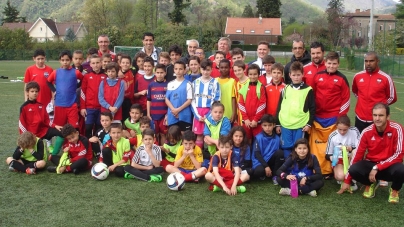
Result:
[[54, 200]]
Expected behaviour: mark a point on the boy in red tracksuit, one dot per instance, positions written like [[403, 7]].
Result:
[[252, 103], [127, 75], [142, 83], [77, 155], [274, 89], [89, 104]]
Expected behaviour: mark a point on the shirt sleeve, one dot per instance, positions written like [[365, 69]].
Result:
[[27, 75], [215, 161], [391, 94], [226, 126], [157, 152], [198, 154], [262, 105], [119, 100], [126, 150], [234, 161], [345, 98], [83, 92], [148, 96], [190, 92], [241, 106], [217, 91], [101, 98]]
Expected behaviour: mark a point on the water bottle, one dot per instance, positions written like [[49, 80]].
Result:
[[293, 189], [337, 150]]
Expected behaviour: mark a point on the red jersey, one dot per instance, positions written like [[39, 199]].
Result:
[[34, 118], [142, 84], [215, 71], [252, 106], [331, 92], [113, 55], [228, 57], [310, 70], [384, 150], [33, 73], [273, 93], [89, 90], [79, 150], [129, 79], [371, 88]]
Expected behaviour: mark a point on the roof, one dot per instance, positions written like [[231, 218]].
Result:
[[253, 26], [51, 25], [12, 26], [62, 27], [386, 17], [367, 14]]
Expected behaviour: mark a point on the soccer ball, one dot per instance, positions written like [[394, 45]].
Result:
[[175, 181], [100, 171]]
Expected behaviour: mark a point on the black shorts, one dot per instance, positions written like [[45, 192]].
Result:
[[26, 162], [184, 126]]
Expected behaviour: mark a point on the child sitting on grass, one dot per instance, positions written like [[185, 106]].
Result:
[[189, 159], [302, 166], [171, 146], [102, 135], [224, 172], [29, 156], [146, 161], [77, 155]]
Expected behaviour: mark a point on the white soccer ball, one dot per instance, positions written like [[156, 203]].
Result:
[[100, 171], [175, 181]]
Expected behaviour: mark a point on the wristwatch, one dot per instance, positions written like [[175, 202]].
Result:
[[375, 167]]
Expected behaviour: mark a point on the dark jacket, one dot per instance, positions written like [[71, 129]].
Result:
[[306, 59]]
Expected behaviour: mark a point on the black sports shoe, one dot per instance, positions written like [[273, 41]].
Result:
[[52, 169]]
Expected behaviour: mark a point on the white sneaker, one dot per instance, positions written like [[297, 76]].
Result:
[[383, 183], [284, 191], [354, 187], [312, 193]]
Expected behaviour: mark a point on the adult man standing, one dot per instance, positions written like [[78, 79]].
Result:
[[223, 45], [103, 46], [149, 48], [193, 44], [262, 51], [383, 141], [299, 54], [371, 86], [316, 65]]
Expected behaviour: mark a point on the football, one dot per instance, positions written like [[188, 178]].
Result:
[[100, 171], [175, 181]]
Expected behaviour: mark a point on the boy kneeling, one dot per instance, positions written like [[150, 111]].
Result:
[[226, 173], [189, 159]]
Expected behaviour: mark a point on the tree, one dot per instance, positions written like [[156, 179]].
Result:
[[248, 11], [11, 14], [384, 43], [269, 8], [122, 13], [70, 36], [96, 14], [219, 20], [400, 10], [334, 17], [292, 20], [176, 16]]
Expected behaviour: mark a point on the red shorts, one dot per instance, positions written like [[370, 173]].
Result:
[[65, 115], [160, 127], [252, 131], [164, 163]]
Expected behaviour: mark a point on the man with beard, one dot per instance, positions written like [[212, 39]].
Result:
[[299, 54], [148, 47], [317, 63], [371, 86]]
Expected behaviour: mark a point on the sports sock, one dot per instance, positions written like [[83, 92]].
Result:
[[217, 184], [18, 166], [239, 182], [193, 176], [58, 144], [31, 165], [187, 176]]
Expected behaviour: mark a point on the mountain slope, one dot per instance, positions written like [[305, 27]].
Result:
[[351, 5]]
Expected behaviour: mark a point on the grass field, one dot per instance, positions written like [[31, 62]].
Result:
[[66, 200]]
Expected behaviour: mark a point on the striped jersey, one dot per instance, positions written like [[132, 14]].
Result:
[[142, 158], [351, 138], [156, 94], [205, 93]]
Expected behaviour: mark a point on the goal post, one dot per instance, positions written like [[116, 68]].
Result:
[[129, 50]]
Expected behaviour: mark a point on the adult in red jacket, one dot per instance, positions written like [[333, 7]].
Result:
[[383, 141], [371, 86], [103, 46], [316, 65]]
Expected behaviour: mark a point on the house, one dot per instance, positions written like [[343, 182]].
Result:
[[381, 23], [253, 30], [49, 30]]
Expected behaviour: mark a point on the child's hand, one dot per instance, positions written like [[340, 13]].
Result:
[[233, 118], [202, 119], [291, 177], [120, 74], [165, 122], [306, 128], [175, 112], [113, 109], [83, 112], [58, 127], [278, 130], [66, 149], [233, 190], [148, 116], [111, 168], [132, 133], [144, 92], [190, 152], [345, 187], [150, 167], [268, 171], [349, 149], [227, 190], [247, 123], [303, 181], [254, 124], [93, 139]]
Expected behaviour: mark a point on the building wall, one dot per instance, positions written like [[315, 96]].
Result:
[[41, 32], [254, 39]]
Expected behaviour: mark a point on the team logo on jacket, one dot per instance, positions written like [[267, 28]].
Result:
[[309, 72], [389, 134], [361, 80], [373, 138], [321, 79], [379, 81], [335, 80], [46, 74], [210, 87]]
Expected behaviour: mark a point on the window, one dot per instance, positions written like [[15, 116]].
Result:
[[252, 31], [359, 33], [390, 27], [381, 27], [40, 28], [267, 32], [238, 31]]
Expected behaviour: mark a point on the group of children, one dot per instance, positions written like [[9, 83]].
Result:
[[201, 123]]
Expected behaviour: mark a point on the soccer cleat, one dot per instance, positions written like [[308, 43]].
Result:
[[155, 178], [11, 168], [241, 189], [30, 171], [128, 176], [284, 191], [312, 193], [196, 180], [52, 169], [275, 181], [393, 196], [50, 149], [216, 189], [354, 187], [383, 183], [370, 190]]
